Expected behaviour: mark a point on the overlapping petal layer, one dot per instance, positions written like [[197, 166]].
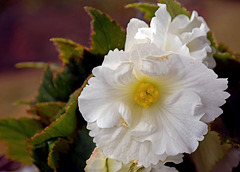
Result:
[[99, 162], [181, 35], [144, 131]]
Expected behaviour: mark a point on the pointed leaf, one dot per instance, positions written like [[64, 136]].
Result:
[[60, 146], [228, 66], [58, 89], [15, 133], [40, 154], [106, 33], [148, 9], [211, 38], [47, 91], [174, 8], [68, 49], [79, 152], [46, 154], [74, 97], [47, 111], [56, 129]]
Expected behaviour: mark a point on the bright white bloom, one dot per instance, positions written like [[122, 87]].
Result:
[[181, 35], [99, 162], [144, 105], [161, 167]]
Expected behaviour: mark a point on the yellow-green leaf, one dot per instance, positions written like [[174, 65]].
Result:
[[106, 33], [15, 133], [60, 146], [64, 126], [47, 111], [68, 49]]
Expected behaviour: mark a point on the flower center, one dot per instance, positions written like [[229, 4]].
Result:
[[146, 95]]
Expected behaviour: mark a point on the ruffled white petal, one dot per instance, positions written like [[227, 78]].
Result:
[[189, 93], [114, 58], [132, 29], [204, 82], [188, 29], [184, 36], [125, 131], [159, 25], [158, 168], [175, 159], [107, 113], [209, 61], [117, 144], [176, 129], [99, 162], [174, 44], [161, 167]]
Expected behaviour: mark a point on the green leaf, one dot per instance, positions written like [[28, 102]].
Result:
[[64, 127], [15, 133], [60, 146], [40, 156], [38, 65], [148, 9], [58, 89], [228, 66], [106, 34], [68, 49], [225, 54], [47, 89], [79, 152], [73, 98], [50, 143], [210, 37], [174, 8], [48, 112]]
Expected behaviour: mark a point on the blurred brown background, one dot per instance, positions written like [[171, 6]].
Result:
[[27, 25]]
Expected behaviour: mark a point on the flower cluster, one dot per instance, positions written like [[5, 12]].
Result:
[[99, 162], [154, 99]]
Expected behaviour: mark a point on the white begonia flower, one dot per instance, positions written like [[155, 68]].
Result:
[[143, 105], [100, 163], [184, 36], [161, 167]]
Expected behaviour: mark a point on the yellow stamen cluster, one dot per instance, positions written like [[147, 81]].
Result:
[[146, 95]]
